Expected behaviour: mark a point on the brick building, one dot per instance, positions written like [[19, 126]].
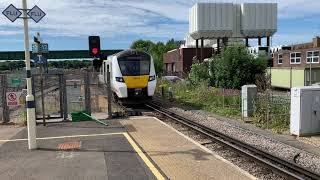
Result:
[[300, 55], [178, 61], [292, 68]]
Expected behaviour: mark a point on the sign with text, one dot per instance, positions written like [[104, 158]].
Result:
[[36, 14], [12, 13], [13, 98]]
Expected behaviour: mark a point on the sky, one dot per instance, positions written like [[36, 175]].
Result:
[[68, 23]]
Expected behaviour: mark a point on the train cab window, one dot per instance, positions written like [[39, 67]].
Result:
[[134, 65]]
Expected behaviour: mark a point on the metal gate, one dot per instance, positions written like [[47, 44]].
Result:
[[49, 91]]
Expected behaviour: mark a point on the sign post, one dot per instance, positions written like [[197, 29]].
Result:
[[13, 13]]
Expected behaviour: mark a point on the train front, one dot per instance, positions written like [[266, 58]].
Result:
[[138, 74]]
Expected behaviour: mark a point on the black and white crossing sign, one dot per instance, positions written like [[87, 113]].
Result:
[[12, 13], [36, 14]]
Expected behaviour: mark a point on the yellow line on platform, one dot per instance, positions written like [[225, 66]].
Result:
[[153, 169], [61, 137], [145, 159]]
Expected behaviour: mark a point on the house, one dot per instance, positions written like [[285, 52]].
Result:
[[178, 61]]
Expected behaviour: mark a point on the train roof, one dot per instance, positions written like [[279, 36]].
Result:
[[130, 52]]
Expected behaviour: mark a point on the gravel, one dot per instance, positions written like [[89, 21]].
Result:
[[242, 162], [277, 148]]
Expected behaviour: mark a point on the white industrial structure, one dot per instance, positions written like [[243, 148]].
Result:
[[220, 20], [258, 19], [211, 20], [225, 21]]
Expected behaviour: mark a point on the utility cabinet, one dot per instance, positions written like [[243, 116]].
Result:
[[305, 111], [248, 95]]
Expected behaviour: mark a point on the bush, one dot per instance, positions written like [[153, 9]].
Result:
[[199, 73], [236, 67]]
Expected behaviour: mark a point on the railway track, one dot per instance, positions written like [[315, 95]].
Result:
[[278, 165]]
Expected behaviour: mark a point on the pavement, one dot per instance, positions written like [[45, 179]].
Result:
[[135, 148], [74, 151]]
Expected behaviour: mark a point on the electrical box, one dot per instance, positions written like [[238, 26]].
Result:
[[248, 94], [305, 111]]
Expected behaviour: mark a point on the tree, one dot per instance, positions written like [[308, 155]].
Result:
[[156, 50], [142, 45], [236, 67]]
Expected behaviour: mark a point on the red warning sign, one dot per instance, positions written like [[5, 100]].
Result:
[[13, 98]]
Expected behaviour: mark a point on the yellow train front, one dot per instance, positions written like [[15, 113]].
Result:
[[132, 75]]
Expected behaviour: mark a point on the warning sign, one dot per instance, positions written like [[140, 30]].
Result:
[[13, 98]]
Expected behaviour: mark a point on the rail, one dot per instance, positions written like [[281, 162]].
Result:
[[281, 166]]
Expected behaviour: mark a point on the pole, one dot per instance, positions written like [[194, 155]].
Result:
[[65, 96], [42, 93], [201, 51], [87, 92], [109, 92], [259, 41], [218, 46], [310, 74], [5, 109], [197, 45], [31, 119], [290, 77]]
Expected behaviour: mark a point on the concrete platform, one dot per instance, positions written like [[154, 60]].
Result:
[[74, 151], [135, 148], [177, 156]]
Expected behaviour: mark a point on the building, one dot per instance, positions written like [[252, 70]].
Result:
[[178, 61], [296, 66]]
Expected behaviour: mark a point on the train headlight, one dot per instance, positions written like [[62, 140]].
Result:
[[119, 79], [152, 78]]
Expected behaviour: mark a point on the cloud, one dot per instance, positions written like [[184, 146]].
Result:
[[128, 18]]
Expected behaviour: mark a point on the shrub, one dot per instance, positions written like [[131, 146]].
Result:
[[236, 67]]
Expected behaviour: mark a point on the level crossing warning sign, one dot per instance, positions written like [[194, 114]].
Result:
[[13, 98]]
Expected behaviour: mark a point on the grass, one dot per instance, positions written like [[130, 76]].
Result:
[[269, 113], [205, 98]]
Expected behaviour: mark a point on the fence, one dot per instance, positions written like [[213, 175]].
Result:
[[57, 95], [271, 110], [13, 81]]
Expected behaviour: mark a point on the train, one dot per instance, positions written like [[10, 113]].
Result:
[[132, 75]]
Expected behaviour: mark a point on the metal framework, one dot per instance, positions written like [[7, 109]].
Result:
[[72, 54]]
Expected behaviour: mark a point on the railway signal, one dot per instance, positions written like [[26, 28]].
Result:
[[94, 46]]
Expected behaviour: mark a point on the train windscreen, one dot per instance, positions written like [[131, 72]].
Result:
[[134, 65]]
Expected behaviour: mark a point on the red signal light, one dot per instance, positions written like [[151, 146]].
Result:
[[94, 51]]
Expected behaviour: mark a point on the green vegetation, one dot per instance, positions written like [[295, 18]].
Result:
[[11, 65], [214, 87], [70, 64], [156, 50], [18, 65], [232, 69], [216, 100], [272, 112]]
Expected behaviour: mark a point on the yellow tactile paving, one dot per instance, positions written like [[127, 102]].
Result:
[[177, 156]]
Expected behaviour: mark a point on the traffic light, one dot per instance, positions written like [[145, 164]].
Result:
[[94, 46]]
